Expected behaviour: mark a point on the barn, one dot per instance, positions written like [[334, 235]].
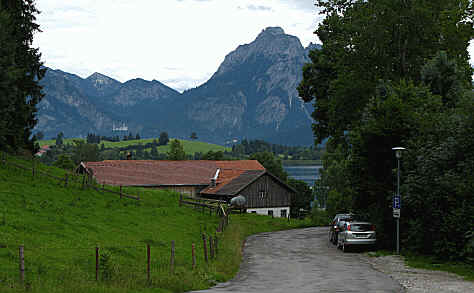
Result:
[[264, 193]]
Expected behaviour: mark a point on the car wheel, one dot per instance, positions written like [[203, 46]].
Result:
[[344, 248]]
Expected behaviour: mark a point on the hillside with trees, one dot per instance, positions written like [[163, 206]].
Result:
[[403, 66]]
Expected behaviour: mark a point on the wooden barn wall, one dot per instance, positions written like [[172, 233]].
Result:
[[186, 190], [274, 194]]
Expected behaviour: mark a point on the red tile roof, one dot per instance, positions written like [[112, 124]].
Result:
[[162, 173], [230, 170]]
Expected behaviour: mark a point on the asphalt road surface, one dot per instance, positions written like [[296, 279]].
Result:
[[303, 261]]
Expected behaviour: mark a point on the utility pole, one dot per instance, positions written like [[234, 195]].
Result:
[[397, 197]]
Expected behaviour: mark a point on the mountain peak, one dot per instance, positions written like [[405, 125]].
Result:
[[96, 75], [272, 31], [272, 45], [99, 78]]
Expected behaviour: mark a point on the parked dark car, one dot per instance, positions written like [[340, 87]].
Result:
[[356, 233], [337, 224]]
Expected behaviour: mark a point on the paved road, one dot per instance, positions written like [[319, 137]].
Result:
[[302, 261]]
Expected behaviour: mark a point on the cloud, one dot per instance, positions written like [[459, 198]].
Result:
[[259, 8], [307, 5], [178, 42]]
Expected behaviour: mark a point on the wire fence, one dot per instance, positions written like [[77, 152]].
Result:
[[145, 262], [69, 179], [23, 265]]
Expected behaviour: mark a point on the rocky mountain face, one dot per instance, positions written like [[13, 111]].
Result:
[[67, 107], [79, 106], [252, 95]]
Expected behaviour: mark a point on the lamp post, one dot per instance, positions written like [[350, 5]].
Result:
[[397, 198]]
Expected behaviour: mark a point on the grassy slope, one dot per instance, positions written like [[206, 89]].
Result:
[[190, 147], [53, 141], [60, 228]]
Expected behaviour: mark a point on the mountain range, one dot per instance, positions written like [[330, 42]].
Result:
[[251, 95]]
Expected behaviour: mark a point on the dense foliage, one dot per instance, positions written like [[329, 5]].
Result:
[[402, 66], [20, 71], [249, 147]]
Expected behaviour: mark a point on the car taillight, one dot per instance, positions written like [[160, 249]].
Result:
[[373, 227], [349, 227]]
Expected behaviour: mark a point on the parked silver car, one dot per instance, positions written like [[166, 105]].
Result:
[[356, 233], [336, 226]]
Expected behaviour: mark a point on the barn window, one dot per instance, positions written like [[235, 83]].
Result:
[[283, 213], [270, 212], [262, 193]]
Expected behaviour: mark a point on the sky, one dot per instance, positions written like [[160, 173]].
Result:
[[180, 43]]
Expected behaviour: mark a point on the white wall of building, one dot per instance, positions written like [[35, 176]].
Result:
[[276, 211]]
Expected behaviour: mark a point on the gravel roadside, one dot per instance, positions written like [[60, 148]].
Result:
[[419, 280]]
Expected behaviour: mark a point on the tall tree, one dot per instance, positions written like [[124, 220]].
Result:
[[85, 152], [176, 151], [60, 139], [163, 139], [20, 72], [271, 163], [365, 41]]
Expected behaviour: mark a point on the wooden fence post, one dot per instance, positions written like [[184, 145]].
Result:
[[193, 248], [211, 247], [33, 169], [103, 188], [83, 181], [205, 248], [22, 264], [97, 263], [148, 262], [215, 244], [66, 177], [120, 191], [172, 257], [180, 199]]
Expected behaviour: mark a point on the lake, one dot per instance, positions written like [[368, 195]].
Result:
[[306, 173]]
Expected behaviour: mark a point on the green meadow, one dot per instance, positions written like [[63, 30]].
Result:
[[60, 228], [190, 146]]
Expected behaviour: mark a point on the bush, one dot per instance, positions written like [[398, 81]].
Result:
[[319, 217]]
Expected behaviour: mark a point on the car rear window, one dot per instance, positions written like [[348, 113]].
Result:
[[361, 227]]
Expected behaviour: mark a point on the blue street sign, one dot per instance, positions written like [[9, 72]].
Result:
[[397, 203]]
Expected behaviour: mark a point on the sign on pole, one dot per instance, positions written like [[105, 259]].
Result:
[[397, 203], [396, 213]]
